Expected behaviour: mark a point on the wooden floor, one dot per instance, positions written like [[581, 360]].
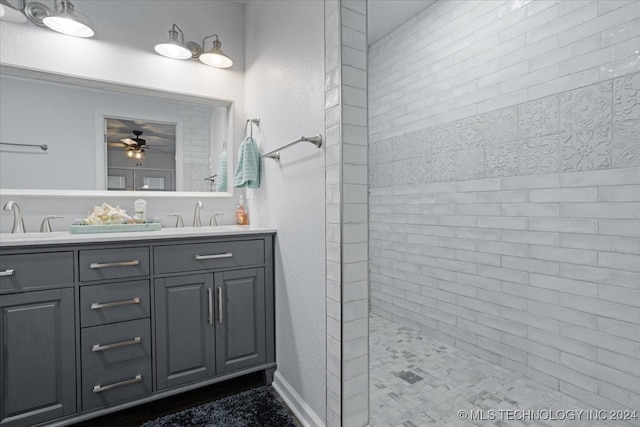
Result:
[[150, 411]]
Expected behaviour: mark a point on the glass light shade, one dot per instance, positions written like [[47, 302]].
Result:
[[173, 49], [66, 22], [9, 14], [139, 155], [216, 58], [130, 153]]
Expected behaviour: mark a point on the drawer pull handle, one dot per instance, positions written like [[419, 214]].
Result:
[[210, 316], [9, 272], [99, 347], [216, 256], [99, 305], [219, 304], [100, 388], [132, 263]]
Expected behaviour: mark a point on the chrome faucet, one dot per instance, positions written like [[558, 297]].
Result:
[[179, 222], [45, 227], [18, 222], [196, 215], [214, 222]]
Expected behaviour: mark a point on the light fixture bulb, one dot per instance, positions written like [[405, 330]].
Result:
[[139, 154], [10, 14], [130, 153], [67, 22], [172, 47], [216, 57]]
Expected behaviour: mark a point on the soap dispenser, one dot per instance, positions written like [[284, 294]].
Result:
[[242, 217]]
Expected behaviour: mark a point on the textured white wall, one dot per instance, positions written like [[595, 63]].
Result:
[[505, 206], [285, 88], [122, 52]]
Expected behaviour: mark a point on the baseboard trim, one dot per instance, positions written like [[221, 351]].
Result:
[[299, 407]]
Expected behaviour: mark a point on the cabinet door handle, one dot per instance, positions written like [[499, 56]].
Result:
[[219, 304], [100, 388], [131, 263], [8, 272], [210, 316], [215, 256], [99, 347], [99, 305]]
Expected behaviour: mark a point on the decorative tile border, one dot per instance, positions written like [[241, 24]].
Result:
[[589, 128]]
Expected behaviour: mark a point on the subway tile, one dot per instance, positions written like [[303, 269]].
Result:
[[560, 284], [606, 243], [600, 210], [619, 261], [606, 276], [626, 176], [565, 195]]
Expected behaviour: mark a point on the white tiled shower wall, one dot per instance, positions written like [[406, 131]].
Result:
[[505, 187]]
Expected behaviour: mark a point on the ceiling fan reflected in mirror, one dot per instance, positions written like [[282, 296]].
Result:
[[134, 147]]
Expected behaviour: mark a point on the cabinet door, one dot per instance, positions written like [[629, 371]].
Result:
[[240, 319], [184, 329], [37, 360]]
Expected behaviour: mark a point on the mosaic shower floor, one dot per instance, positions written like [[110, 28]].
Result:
[[418, 381]]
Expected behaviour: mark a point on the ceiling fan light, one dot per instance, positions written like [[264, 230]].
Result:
[[10, 14], [130, 153], [67, 22]]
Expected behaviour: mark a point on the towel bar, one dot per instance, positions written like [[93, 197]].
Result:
[[43, 147], [275, 154]]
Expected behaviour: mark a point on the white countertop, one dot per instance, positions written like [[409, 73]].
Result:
[[65, 237]]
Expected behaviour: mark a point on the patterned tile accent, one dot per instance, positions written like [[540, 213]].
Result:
[[421, 170], [470, 164], [451, 380], [593, 127], [626, 95], [444, 138], [443, 166], [539, 155], [470, 132], [401, 174], [401, 148], [587, 107], [585, 150], [420, 142], [501, 160], [501, 125], [385, 151], [626, 144], [538, 117]]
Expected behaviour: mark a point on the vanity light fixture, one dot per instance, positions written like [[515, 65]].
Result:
[[172, 47], [175, 48], [11, 14], [215, 57], [64, 19]]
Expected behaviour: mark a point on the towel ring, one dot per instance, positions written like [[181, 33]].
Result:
[[251, 122]]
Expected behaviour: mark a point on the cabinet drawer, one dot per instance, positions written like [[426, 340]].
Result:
[[124, 381], [100, 264], [115, 302], [116, 342], [29, 271], [206, 256]]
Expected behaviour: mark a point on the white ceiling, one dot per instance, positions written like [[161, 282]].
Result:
[[387, 15]]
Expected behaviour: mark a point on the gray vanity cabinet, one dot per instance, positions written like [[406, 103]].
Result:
[[241, 327], [38, 357], [89, 328], [184, 329]]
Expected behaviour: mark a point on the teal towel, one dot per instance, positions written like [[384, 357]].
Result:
[[247, 173], [221, 182]]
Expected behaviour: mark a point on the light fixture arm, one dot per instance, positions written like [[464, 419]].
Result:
[[214, 42], [173, 34]]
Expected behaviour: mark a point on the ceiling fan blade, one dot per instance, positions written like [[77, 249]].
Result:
[[128, 141]]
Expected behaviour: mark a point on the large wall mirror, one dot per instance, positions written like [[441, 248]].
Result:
[[104, 137]]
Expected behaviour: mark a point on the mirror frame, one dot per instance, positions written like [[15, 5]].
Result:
[[101, 155]]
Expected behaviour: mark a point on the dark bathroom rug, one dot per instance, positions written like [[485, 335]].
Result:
[[257, 407]]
